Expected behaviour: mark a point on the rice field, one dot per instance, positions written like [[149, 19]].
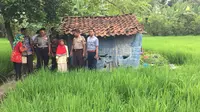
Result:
[[5, 64], [146, 89], [178, 50]]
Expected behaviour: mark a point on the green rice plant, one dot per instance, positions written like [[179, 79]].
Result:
[[178, 50], [124, 89], [5, 63], [150, 89]]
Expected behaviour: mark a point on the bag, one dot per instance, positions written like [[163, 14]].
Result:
[[24, 59]]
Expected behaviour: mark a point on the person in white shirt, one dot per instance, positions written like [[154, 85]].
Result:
[[92, 49], [34, 36], [36, 49]]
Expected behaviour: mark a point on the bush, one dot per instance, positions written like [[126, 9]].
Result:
[[153, 59], [195, 25]]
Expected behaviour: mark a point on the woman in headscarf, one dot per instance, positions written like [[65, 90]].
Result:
[[16, 56], [61, 56]]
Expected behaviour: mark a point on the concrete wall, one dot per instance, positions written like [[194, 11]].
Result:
[[121, 51], [116, 51]]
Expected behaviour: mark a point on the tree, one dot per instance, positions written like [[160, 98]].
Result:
[[105, 7], [30, 10]]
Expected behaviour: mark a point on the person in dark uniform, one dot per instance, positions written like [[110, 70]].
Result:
[[42, 41], [78, 49], [54, 44]]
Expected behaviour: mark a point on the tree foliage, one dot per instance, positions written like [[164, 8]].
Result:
[[104, 7], [31, 11], [181, 18], [161, 17]]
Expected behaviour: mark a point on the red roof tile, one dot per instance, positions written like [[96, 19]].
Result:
[[103, 25]]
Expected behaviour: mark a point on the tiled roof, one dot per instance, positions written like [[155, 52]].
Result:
[[103, 25]]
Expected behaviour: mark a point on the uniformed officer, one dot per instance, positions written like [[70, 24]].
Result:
[[43, 43], [78, 49]]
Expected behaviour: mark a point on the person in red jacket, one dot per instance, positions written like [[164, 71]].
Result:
[[16, 56]]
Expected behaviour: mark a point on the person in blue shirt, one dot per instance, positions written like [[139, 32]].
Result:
[[92, 49]]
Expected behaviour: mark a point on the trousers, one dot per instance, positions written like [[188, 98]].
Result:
[[28, 67], [78, 59], [43, 57], [17, 67], [92, 61]]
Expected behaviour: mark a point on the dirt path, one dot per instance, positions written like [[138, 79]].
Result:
[[6, 87], [9, 84]]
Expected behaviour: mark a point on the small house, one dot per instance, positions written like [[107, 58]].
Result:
[[120, 38]]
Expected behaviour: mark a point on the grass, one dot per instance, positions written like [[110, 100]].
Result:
[[178, 50], [5, 63], [152, 89]]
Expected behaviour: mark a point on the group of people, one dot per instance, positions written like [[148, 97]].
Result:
[[45, 46]]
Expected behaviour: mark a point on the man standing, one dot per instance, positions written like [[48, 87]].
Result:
[[92, 50], [28, 54], [54, 44], [78, 49], [36, 50], [34, 36], [43, 43]]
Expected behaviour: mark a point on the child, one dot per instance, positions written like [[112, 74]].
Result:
[[61, 56]]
